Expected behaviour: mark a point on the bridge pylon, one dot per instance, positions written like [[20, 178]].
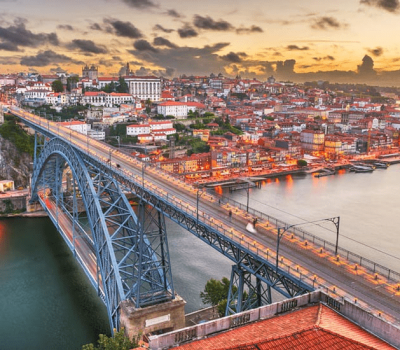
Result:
[[126, 258]]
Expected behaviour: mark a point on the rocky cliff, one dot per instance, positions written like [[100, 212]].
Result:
[[14, 165]]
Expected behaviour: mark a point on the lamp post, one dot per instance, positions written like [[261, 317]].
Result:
[[336, 221], [199, 194], [143, 167], [281, 231]]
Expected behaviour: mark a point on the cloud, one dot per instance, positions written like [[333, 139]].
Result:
[[378, 51], [140, 4], [123, 29], [143, 45], [207, 23], [95, 26], [252, 29], [160, 41], [326, 58], [17, 35], [45, 58], [87, 46], [297, 48], [325, 23], [161, 28], [234, 57], [184, 59], [366, 68], [173, 13], [7, 46], [187, 32], [387, 5], [65, 27]]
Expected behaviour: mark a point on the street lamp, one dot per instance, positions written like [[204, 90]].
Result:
[[199, 194], [281, 231]]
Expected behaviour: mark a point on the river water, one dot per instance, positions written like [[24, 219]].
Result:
[[46, 301]]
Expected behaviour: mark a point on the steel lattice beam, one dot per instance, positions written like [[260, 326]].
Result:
[[129, 267]]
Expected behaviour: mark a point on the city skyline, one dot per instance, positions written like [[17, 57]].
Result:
[[338, 42]]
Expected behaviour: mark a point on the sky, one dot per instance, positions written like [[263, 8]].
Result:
[[342, 40]]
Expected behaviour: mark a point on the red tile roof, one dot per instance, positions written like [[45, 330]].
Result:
[[316, 327]]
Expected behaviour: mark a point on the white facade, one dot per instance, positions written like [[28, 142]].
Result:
[[144, 88], [105, 99], [97, 134], [140, 129], [78, 126], [36, 94], [178, 110]]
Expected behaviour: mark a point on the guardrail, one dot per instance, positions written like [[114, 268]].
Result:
[[361, 261]]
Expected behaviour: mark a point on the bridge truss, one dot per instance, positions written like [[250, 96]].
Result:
[[132, 256]]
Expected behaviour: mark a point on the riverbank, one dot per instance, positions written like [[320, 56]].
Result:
[[35, 214]]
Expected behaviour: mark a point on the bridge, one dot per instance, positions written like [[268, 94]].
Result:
[[83, 185]]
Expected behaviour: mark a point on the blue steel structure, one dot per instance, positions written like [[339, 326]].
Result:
[[131, 252], [129, 267]]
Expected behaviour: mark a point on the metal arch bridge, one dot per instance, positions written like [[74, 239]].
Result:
[[82, 183]]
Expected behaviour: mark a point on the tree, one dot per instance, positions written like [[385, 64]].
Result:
[[57, 86], [72, 82], [148, 106], [215, 291], [301, 163], [118, 342], [122, 86]]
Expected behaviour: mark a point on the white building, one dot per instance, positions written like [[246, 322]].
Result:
[[56, 98], [158, 130], [76, 125], [97, 134], [144, 88], [36, 94], [137, 129], [100, 98], [178, 110]]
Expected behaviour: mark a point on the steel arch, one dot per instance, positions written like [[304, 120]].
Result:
[[128, 266]]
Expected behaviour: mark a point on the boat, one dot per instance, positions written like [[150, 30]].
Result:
[[362, 168], [325, 172], [381, 165]]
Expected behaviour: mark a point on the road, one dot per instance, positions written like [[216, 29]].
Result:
[[339, 278]]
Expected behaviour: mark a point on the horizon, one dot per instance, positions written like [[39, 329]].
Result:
[[340, 43]]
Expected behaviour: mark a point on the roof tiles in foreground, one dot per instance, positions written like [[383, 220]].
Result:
[[311, 328]]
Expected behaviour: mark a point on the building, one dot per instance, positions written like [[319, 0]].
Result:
[[312, 140], [100, 98], [178, 110], [313, 321], [92, 72], [144, 88], [76, 125]]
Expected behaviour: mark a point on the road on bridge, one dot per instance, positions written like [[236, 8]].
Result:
[[339, 278]]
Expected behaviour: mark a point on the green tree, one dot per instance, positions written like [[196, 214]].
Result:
[[109, 87], [215, 291], [72, 82], [57, 86], [301, 162], [118, 342], [179, 127], [122, 86]]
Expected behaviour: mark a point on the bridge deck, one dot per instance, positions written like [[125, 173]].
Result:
[[303, 262]]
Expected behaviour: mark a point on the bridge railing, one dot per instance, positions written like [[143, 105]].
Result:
[[358, 260]]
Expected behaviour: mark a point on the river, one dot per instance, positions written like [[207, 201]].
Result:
[[47, 302]]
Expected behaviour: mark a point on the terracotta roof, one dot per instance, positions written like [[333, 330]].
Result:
[[315, 327]]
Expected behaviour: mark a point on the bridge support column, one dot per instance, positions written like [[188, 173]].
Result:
[[160, 318], [243, 294]]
